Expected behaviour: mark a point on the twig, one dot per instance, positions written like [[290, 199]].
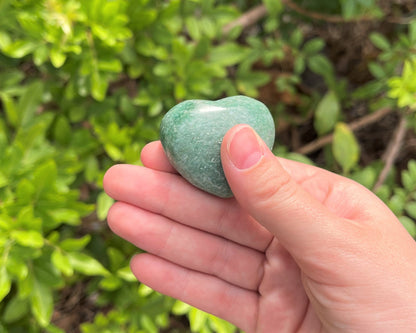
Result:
[[355, 125], [325, 17], [247, 19], [340, 19], [260, 11], [392, 151]]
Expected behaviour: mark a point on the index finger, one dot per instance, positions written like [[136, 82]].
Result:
[[315, 180], [171, 196]]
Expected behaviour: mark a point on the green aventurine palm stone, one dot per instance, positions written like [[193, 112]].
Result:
[[192, 133]]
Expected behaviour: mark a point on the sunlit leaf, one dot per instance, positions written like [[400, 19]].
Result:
[[380, 41], [57, 58], [409, 225], [104, 202], [221, 326], [345, 147], [41, 301], [29, 238], [75, 244], [111, 283], [15, 309], [327, 113], [61, 262], [5, 282], [411, 209], [197, 319], [85, 264]]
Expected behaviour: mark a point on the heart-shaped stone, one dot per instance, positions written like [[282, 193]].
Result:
[[192, 132]]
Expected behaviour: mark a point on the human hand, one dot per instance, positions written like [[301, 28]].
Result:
[[299, 249]]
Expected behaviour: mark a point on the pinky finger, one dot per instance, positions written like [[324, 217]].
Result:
[[200, 290]]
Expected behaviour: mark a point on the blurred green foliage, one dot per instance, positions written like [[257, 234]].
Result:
[[83, 85]]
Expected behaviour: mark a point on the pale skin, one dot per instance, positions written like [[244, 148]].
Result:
[[299, 249]]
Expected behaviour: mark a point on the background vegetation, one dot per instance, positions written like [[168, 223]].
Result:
[[84, 84]]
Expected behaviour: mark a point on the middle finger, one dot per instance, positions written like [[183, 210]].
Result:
[[188, 247]]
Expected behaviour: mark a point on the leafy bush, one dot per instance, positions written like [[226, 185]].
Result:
[[84, 84]]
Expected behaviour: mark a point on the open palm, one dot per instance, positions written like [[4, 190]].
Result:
[[322, 266]]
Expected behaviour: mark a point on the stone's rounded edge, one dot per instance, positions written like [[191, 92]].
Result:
[[269, 134], [175, 118]]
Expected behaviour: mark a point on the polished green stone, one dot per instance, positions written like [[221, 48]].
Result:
[[192, 131]]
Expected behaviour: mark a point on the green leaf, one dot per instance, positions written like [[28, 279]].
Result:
[[349, 9], [376, 70], [221, 326], [5, 282], [228, 54], [180, 308], [397, 204], [274, 7], [85, 264], [46, 272], [53, 329], [99, 86], [10, 109], [75, 244], [126, 274], [110, 65], [5, 40], [16, 309], [92, 169], [44, 176], [299, 65], [411, 166], [319, 64], [162, 69], [345, 147], [366, 177], [61, 262], [41, 301], [57, 58], [18, 48], [409, 225], [145, 291], [3, 180], [148, 324], [157, 107], [327, 113], [296, 38], [28, 238], [179, 92], [193, 27], [313, 46], [111, 283], [197, 319], [380, 41], [29, 103], [64, 215], [208, 27], [18, 268], [411, 209], [62, 131]]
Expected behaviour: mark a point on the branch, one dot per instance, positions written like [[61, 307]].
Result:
[[355, 125], [392, 151], [325, 17], [260, 11], [247, 19]]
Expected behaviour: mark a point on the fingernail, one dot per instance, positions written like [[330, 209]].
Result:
[[244, 149]]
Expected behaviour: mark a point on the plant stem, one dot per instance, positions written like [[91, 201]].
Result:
[[355, 125], [392, 151]]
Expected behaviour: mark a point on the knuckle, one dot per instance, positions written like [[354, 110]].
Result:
[[276, 189]]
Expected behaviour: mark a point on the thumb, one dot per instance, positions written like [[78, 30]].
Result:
[[270, 195]]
